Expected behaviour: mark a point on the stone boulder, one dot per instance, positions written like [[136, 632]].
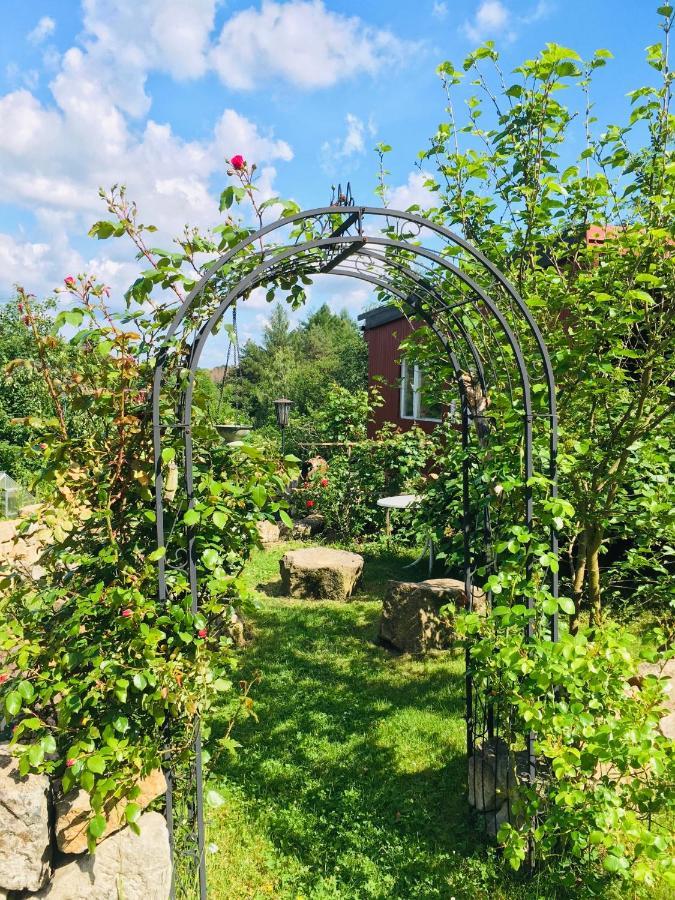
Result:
[[411, 617], [25, 849], [269, 533], [306, 528], [125, 865], [320, 573], [73, 813], [494, 775]]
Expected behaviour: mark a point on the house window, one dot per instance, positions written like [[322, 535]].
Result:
[[414, 403]]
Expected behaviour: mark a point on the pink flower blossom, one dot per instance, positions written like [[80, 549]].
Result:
[[238, 163]]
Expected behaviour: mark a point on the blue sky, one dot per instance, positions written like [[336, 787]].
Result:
[[156, 93]]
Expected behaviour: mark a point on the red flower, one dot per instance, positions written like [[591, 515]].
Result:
[[3, 678], [69, 281], [127, 613], [70, 763], [310, 504], [202, 632], [238, 163], [324, 482]]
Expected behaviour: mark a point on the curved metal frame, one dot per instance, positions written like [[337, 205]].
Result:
[[341, 252]]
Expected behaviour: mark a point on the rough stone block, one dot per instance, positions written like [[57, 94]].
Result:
[[308, 527], [125, 865], [320, 573], [269, 533], [25, 850], [411, 613]]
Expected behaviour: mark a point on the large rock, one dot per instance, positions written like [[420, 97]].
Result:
[[306, 528], [411, 613], [128, 866], [269, 533], [494, 775], [320, 573], [73, 813], [25, 850]]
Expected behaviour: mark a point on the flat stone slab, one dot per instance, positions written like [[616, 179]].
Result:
[[411, 617], [320, 573]]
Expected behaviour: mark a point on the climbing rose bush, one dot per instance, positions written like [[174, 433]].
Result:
[[100, 683]]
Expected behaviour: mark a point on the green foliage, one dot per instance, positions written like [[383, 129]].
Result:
[[22, 389], [345, 414], [303, 364], [603, 298], [604, 792], [98, 675], [347, 493]]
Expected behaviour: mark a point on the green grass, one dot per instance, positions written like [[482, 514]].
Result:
[[352, 782]]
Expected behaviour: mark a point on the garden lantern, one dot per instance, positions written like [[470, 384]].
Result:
[[282, 409]]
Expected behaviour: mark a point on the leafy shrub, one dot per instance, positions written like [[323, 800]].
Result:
[[347, 493], [604, 799], [99, 679]]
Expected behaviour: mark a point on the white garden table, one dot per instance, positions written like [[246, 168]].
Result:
[[404, 501]]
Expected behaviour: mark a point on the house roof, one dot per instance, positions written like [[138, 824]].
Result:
[[380, 315]]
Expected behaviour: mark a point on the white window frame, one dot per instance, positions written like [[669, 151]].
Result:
[[417, 393]]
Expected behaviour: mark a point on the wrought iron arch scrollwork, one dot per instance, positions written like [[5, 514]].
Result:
[[437, 278]]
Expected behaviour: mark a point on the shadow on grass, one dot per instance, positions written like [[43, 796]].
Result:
[[355, 771]]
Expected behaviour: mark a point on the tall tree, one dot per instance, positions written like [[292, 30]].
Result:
[[506, 174]]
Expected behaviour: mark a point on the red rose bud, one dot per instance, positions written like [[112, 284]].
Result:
[[3, 678], [69, 281], [324, 482], [202, 632], [70, 763], [310, 504], [127, 613], [238, 163]]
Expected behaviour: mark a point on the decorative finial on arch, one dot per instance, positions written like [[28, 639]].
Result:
[[340, 197]]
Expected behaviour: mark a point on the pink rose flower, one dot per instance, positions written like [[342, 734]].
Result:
[[238, 163]]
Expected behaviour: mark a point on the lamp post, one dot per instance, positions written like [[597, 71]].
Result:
[[282, 409]]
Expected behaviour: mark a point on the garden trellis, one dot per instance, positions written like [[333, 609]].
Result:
[[498, 362]]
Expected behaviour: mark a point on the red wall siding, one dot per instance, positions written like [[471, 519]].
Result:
[[384, 373]]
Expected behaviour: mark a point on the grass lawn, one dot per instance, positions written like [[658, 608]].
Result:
[[351, 784]]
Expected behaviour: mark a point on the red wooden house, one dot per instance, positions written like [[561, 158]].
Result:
[[399, 382], [384, 328]]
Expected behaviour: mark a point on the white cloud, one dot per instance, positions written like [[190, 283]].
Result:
[[413, 193], [333, 153], [236, 134], [302, 42], [439, 10], [493, 19], [125, 39], [44, 28]]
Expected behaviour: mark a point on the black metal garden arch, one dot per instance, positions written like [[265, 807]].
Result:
[[493, 346]]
